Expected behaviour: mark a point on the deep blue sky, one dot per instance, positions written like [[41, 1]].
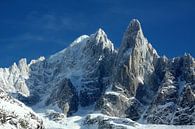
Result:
[[31, 28]]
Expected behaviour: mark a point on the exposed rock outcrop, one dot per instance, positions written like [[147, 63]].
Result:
[[65, 96], [132, 82], [157, 85]]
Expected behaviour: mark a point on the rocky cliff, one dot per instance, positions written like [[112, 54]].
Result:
[[132, 82]]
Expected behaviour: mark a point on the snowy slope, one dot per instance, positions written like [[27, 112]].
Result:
[[15, 115], [97, 86]]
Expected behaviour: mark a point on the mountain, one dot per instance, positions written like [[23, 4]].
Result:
[[91, 77], [148, 87], [14, 114]]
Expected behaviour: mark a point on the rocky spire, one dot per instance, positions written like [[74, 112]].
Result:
[[101, 37], [133, 35], [100, 40], [100, 34], [133, 40], [135, 59], [134, 44], [23, 66]]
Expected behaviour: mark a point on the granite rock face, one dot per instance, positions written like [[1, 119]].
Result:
[[65, 96], [87, 63], [170, 102], [101, 53], [13, 78], [131, 82], [148, 87], [135, 60], [133, 76]]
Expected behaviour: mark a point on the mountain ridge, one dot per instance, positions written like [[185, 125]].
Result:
[[132, 82]]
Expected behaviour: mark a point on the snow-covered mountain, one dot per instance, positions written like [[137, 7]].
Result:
[[14, 114], [132, 83]]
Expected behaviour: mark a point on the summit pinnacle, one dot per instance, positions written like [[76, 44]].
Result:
[[129, 82]]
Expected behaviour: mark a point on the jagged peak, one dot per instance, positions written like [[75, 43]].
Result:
[[188, 55], [22, 61], [22, 65], [164, 58], [100, 37], [100, 32], [135, 45], [189, 58], [133, 36], [14, 66], [40, 59], [134, 25], [133, 31]]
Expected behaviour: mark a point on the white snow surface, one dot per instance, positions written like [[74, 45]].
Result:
[[140, 79], [16, 112], [13, 80], [76, 121]]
